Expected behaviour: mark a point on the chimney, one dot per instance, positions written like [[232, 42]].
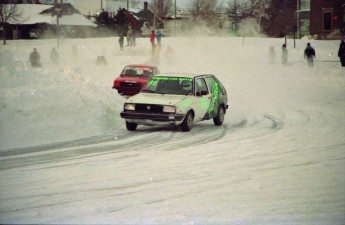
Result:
[[145, 5]]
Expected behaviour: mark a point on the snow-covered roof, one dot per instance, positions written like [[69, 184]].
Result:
[[31, 14], [73, 20], [134, 10]]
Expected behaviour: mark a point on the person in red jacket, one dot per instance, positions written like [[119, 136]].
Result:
[[152, 38]]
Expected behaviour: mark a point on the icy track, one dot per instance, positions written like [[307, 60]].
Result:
[[67, 158]]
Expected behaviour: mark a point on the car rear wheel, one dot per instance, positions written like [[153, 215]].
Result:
[[218, 120], [187, 123], [131, 126]]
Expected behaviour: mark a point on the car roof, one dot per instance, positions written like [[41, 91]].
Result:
[[189, 75], [141, 65]]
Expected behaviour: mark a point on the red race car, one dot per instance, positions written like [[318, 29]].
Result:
[[133, 78]]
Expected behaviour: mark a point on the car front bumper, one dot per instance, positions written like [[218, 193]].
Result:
[[152, 118]]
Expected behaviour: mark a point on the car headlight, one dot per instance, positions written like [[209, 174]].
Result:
[[129, 106], [169, 109]]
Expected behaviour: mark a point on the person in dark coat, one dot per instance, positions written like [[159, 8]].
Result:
[[341, 53], [35, 58], [121, 40], [309, 54], [284, 55]]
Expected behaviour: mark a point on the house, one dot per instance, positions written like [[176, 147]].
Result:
[[303, 18], [327, 18], [44, 21], [140, 20]]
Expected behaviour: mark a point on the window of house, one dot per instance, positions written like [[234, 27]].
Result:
[[327, 21]]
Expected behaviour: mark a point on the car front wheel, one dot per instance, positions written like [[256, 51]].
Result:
[[218, 120], [131, 126], [187, 123]]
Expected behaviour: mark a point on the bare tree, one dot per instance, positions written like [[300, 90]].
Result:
[[240, 10], [204, 9], [279, 19], [247, 8], [9, 12], [160, 9]]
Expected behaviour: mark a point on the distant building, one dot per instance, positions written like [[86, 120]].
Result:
[[40, 21], [327, 18], [303, 18], [140, 20], [112, 6], [93, 7]]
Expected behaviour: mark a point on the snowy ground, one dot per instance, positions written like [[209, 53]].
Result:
[[66, 156]]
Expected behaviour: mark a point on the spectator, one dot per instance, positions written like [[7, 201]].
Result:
[[159, 37], [121, 40], [54, 56], [284, 55], [133, 37], [104, 61], [152, 39], [272, 55], [341, 53], [101, 61], [35, 58], [129, 34], [309, 54]]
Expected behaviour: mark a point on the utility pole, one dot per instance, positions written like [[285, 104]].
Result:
[[235, 15], [127, 4], [175, 18], [297, 16], [57, 13]]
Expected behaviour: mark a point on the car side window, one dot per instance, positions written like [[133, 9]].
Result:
[[209, 81], [201, 86]]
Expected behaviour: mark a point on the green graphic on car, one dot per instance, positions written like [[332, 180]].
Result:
[[212, 109], [154, 80]]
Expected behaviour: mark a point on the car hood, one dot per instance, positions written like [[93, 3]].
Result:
[[161, 99]]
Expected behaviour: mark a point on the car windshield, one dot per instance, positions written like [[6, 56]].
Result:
[[137, 71], [169, 85]]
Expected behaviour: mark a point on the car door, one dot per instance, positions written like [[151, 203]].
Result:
[[213, 86], [203, 99]]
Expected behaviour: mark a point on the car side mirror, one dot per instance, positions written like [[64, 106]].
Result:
[[204, 93], [201, 93]]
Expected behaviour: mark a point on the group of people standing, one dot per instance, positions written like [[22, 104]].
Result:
[[35, 57], [309, 54], [130, 35], [154, 36]]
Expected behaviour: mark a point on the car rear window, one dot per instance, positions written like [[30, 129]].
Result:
[[138, 71]]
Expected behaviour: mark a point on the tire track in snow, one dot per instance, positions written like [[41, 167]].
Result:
[[162, 139]]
